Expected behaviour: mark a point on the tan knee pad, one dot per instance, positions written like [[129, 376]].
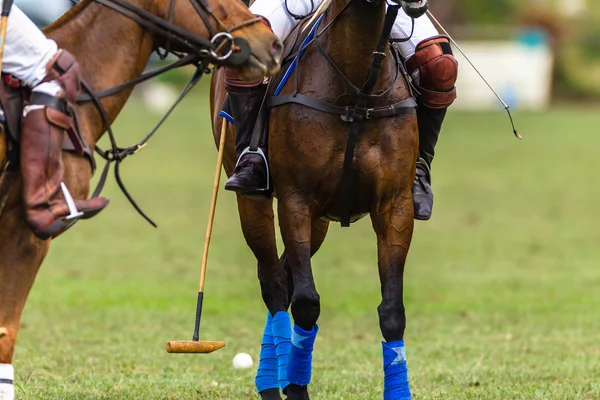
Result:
[[437, 69]]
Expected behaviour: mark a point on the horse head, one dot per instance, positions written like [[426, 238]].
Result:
[[224, 22]]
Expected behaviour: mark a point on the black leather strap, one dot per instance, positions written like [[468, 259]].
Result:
[[407, 106], [44, 99], [378, 57]]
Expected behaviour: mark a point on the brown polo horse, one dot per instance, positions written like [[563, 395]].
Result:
[[306, 150], [111, 49]]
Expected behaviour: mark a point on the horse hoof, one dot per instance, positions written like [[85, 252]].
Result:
[[295, 392], [270, 394]]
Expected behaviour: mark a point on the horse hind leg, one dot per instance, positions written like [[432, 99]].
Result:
[[258, 227], [394, 227]]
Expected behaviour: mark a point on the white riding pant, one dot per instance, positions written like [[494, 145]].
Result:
[[283, 23], [27, 52]]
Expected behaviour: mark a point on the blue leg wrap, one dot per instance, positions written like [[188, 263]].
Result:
[[266, 376], [300, 367], [395, 381], [282, 335]]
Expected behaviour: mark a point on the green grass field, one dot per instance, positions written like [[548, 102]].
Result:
[[502, 285]]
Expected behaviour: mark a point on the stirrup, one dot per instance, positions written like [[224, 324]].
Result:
[[261, 153], [74, 213], [423, 162]]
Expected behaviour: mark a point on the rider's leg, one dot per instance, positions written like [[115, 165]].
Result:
[[245, 98], [276, 12], [434, 71], [54, 77]]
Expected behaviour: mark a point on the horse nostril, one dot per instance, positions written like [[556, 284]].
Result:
[[277, 50]]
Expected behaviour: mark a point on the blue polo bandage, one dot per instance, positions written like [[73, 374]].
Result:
[[282, 336], [266, 376], [395, 381], [300, 366]]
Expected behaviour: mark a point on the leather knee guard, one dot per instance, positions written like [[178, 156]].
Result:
[[64, 69], [435, 71]]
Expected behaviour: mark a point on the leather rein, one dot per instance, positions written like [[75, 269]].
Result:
[[221, 47]]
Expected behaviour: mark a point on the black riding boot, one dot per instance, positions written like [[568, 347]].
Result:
[[430, 125], [250, 175]]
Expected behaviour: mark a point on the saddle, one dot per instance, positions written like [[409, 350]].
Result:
[[13, 99]]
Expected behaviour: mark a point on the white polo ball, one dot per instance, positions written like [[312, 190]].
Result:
[[242, 361]]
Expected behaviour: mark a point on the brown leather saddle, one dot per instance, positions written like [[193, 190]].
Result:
[[13, 99]]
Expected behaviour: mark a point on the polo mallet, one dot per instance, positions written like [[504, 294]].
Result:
[[195, 345], [6, 6], [321, 10]]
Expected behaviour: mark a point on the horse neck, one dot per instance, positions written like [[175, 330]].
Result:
[[353, 37], [110, 48]]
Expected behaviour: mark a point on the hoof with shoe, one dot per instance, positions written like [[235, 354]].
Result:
[[270, 394], [296, 392]]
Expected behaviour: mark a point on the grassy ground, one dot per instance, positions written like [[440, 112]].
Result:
[[502, 284]]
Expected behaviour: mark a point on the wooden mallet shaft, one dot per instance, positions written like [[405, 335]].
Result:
[[6, 6], [196, 346]]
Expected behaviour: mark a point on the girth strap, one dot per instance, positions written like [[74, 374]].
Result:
[[44, 99], [378, 57], [407, 106]]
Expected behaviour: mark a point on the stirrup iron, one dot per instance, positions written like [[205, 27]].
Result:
[[74, 213], [261, 153]]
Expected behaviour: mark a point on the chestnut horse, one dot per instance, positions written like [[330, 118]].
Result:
[[111, 49], [306, 151]]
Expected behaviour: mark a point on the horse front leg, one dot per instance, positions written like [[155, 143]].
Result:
[[258, 226], [296, 223], [318, 234], [393, 223], [21, 255]]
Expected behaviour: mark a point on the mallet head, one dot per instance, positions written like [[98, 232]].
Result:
[[193, 347]]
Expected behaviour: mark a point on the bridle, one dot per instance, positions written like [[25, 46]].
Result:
[[220, 48]]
